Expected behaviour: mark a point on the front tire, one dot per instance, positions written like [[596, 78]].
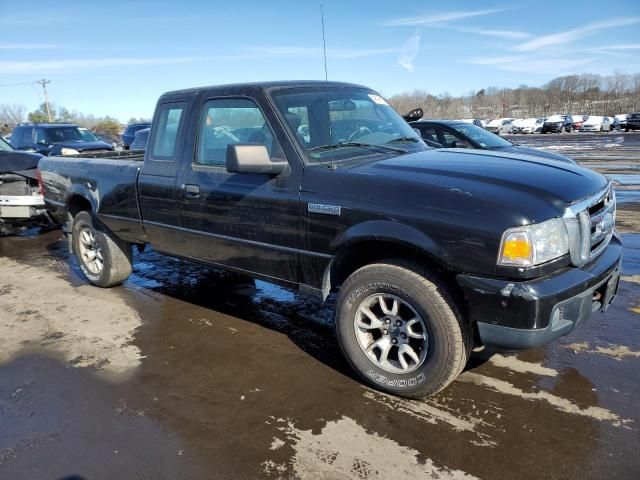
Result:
[[105, 260], [400, 329]]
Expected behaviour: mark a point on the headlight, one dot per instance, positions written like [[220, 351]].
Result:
[[534, 244], [69, 151]]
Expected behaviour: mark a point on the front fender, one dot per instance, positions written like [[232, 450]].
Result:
[[390, 231]]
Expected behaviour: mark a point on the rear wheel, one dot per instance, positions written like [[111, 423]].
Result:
[[400, 329], [103, 258]]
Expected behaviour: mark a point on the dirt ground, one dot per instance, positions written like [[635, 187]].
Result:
[[188, 372]]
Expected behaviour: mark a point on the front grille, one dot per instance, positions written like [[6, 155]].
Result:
[[590, 224]]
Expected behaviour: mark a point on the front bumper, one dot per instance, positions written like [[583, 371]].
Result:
[[517, 315], [21, 206]]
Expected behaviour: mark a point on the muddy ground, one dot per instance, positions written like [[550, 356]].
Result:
[[187, 372]]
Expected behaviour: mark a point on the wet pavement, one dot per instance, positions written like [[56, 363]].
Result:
[[188, 372]]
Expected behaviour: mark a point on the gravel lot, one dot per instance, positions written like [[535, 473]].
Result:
[[187, 372]]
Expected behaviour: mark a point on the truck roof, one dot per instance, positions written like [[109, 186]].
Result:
[[268, 85]]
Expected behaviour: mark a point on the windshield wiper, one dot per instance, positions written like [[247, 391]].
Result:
[[404, 139], [335, 146]]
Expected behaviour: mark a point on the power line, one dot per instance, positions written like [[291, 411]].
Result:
[[17, 84]]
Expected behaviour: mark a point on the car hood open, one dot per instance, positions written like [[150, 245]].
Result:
[[19, 162]]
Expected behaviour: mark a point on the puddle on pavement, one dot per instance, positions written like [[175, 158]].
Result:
[[228, 366]]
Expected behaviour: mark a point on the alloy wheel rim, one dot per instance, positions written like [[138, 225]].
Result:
[[90, 251], [391, 334]]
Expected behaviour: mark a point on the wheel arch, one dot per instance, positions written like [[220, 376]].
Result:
[[378, 240]]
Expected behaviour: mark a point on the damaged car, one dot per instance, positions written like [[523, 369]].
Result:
[[21, 200]]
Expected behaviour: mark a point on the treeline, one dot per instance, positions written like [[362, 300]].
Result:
[[585, 94], [13, 114]]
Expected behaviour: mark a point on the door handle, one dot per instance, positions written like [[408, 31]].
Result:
[[190, 190]]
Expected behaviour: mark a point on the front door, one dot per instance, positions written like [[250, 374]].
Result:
[[246, 221]]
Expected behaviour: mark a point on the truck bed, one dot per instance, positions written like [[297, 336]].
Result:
[[107, 180]]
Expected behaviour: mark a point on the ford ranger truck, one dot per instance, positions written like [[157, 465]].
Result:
[[323, 187]]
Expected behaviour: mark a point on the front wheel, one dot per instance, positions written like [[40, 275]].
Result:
[[400, 330], [104, 259]]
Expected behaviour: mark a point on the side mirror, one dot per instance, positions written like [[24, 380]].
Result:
[[42, 142], [253, 158]]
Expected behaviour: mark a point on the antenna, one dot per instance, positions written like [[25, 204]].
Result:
[[326, 78], [324, 43]]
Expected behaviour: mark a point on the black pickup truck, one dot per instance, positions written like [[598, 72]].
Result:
[[323, 187]]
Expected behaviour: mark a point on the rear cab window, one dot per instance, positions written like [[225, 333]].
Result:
[[165, 133]]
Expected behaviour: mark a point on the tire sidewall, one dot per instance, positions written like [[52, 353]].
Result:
[[82, 220], [430, 372]]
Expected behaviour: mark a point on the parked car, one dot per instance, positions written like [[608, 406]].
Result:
[[532, 125], [140, 140], [56, 139], [21, 201], [619, 122], [456, 134], [577, 121], [500, 126], [432, 252], [633, 122], [475, 121], [130, 133], [558, 124], [515, 125], [596, 123]]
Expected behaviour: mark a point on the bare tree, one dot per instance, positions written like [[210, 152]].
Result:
[[585, 94], [12, 113]]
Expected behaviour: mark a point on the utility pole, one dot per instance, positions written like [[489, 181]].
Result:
[[44, 82]]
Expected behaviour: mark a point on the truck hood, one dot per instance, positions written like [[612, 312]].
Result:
[[507, 178], [82, 146], [533, 151]]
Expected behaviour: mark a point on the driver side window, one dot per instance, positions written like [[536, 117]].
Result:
[[231, 121]]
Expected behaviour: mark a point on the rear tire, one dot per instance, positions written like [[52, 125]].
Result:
[[438, 357], [105, 260]]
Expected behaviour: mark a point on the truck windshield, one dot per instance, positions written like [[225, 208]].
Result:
[[87, 135], [64, 134], [481, 136], [339, 123]]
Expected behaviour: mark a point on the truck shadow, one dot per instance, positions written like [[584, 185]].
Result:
[[307, 323]]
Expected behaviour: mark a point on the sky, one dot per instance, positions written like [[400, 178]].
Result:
[[115, 58]]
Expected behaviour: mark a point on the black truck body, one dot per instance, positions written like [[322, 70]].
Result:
[[316, 223]]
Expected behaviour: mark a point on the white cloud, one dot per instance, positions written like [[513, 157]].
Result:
[[617, 48], [575, 34], [510, 34], [494, 60], [409, 51], [287, 51], [27, 46], [440, 17], [546, 65], [52, 65], [45, 66]]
